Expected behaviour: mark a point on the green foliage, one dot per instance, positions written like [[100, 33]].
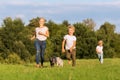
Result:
[[1, 59], [86, 41], [12, 38], [15, 38], [57, 31], [13, 58], [34, 22], [108, 35], [21, 50], [114, 43]]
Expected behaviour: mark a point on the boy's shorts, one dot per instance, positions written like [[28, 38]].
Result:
[[71, 56]]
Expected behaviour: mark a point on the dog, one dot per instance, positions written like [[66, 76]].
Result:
[[56, 60]]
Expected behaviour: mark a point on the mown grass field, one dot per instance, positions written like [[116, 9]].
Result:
[[89, 69]]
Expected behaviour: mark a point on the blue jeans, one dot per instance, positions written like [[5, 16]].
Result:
[[100, 56], [40, 49]]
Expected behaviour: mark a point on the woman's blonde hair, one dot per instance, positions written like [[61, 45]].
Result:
[[42, 18]]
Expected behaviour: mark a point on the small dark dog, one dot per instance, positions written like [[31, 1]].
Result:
[[56, 60]]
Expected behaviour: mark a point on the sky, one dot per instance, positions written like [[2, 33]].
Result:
[[100, 11]]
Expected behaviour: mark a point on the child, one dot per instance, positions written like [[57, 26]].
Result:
[[41, 34], [69, 42], [99, 50]]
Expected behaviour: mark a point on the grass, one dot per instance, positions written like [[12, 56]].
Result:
[[89, 69]]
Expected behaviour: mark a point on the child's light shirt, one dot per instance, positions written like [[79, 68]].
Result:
[[100, 49], [69, 41], [43, 30]]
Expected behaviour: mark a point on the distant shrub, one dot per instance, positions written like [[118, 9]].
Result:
[[1, 60], [32, 58], [13, 59]]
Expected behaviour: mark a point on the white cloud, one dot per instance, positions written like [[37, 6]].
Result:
[[22, 3], [27, 9], [43, 3]]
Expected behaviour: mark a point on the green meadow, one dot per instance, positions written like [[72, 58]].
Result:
[[85, 69]]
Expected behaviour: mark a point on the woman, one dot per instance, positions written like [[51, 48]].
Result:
[[41, 34]]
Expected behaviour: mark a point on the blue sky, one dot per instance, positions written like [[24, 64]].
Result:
[[58, 10]]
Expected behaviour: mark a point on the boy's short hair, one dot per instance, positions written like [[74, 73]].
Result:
[[71, 27]]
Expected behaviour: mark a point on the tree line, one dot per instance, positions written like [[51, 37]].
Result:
[[16, 46]]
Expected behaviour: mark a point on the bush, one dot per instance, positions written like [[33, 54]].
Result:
[[13, 59], [1, 60], [32, 59]]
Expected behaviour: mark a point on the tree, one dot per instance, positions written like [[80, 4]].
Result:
[[66, 23], [15, 38], [106, 33], [89, 23], [34, 22], [11, 34], [86, 41]]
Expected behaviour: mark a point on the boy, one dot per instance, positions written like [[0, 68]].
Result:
[[99, 50], [69, 42]]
